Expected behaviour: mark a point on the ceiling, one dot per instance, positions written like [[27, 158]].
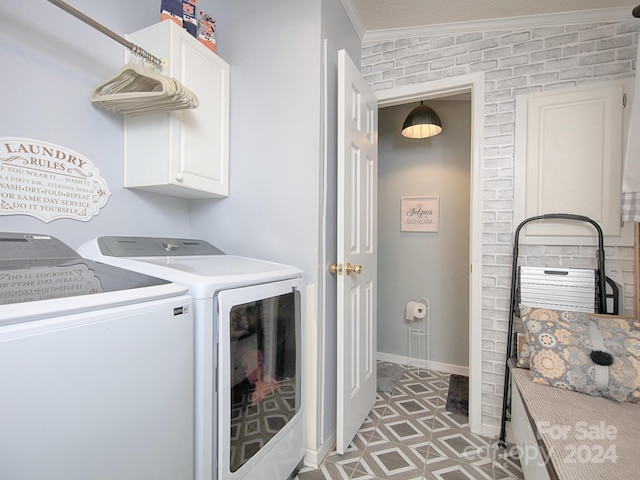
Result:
[[398, 14]]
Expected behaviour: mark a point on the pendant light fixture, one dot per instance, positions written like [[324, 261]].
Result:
[[422, 122]]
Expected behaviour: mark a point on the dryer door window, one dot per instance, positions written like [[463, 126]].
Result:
[[260, 358]]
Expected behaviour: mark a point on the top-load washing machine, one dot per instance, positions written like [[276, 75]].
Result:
[[96, 368], [248, 414]]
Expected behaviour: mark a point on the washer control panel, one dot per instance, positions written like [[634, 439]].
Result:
[[32, 246]]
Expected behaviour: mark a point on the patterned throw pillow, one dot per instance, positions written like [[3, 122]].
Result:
[[585, 353], [542, 315], [522, 352]]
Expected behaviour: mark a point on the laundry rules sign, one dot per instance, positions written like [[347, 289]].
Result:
[[48, 181]]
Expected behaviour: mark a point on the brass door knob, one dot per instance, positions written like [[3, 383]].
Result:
[[349, 269], [337, 268]]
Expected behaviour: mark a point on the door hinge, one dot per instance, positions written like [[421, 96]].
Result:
[[624, 100]]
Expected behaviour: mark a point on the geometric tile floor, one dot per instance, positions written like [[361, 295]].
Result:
[[410, 436]]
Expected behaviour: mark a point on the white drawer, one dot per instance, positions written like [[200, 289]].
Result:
[[558, 288]]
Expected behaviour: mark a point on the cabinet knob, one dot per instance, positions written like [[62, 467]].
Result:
[[179, 177]]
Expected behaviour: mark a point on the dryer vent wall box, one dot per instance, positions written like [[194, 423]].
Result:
[[96, 368], [184, 153]]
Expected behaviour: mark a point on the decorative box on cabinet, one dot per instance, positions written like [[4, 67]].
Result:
[[184, 153]]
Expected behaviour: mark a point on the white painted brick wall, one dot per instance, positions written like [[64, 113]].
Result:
[[515, 62]]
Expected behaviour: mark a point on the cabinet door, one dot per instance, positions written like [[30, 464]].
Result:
[[184, 153], [203, 159], [569, 160]]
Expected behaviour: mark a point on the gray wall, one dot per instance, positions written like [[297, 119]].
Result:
[[514, 61], [414, 265], [51, 64], [271, 211]]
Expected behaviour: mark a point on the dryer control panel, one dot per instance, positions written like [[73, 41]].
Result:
[[155, 247]]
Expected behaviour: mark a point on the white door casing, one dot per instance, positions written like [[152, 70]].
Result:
[[357, 246]]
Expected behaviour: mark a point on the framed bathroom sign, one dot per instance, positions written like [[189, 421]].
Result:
[[419, 214]]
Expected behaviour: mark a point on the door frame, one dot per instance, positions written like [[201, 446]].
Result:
[[473, 84]]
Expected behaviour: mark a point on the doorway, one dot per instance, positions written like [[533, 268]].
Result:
[[428, 257], [473, 85]]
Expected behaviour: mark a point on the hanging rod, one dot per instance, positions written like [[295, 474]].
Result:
[[98, 26]]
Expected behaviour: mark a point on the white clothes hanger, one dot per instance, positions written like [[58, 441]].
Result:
[[136, 90]]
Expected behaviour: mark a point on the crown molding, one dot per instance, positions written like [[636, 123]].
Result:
[[354, 17], [601, 15]]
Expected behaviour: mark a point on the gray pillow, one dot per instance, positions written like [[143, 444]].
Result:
[[596, 355]]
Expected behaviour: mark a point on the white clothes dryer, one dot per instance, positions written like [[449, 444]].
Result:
[[96, 368], [248, 414]]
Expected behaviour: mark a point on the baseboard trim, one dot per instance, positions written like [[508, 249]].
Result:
[[315, 458], [493, 432], [430, 365]]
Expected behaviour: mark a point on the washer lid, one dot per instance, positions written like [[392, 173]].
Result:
[[40, 267]]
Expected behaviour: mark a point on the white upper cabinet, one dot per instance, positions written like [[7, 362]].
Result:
[[569, 160], [184, 153]]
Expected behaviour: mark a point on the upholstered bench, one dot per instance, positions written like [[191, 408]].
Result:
[[575, 406], [570, 435]]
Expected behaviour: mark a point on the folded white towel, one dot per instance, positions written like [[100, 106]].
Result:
[[631, 175]]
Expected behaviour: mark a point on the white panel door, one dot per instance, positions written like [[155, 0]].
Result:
[[357, 250]]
